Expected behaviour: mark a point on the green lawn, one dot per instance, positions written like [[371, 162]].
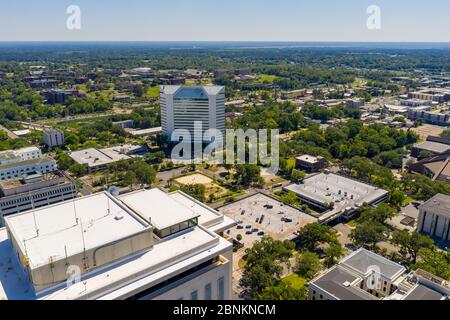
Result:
[[266, 78], [296, 281], [152, 93]]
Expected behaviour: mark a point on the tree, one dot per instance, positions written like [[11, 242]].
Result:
[[64, 160], [377, 215], [397, 198], [284, 291], [263, 264], [445, 133], [308, 264], [144, 172], [196, 191], [411, 243], [314, 234], [139, 90], [130, 179], [333, 253], [368, 234], [434, 261], [289, 198], [248, 174], [297, 175], [78, 169]]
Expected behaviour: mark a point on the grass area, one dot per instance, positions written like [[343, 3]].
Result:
[[296, 281], [198, 82], [352, 223], [274, 181], [266, 78], [407, 201], [152, 93]]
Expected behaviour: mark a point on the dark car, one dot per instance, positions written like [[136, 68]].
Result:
[[261, 233]]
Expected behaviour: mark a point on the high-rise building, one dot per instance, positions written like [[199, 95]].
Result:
[[182, 106]]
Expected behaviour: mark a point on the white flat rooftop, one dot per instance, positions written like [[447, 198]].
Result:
[[166, 258], [98, 157], [59, 232], [325, 188], [146, 131], [210, 218], [158, 207], [91, 157]]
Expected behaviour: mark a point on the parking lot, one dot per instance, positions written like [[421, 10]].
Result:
[[261, 215]]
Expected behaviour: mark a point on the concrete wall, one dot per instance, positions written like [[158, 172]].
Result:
[[198, 283], [55, 272], [434, 224]]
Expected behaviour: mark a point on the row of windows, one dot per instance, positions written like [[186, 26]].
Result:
[[15, 173], [38, 196], [208, 291]]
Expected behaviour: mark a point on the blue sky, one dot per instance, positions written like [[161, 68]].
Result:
[[225, 20]]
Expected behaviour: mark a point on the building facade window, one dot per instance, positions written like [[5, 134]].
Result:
[[208, 292], [221, 288], [194, 295]]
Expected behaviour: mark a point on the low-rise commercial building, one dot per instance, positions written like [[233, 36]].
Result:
[[97, 159], [125, 124], [415, 103], [434, 217], [147, 245], [19, 163], [15, 156], [336, 196], [354, 103], [432, 146], [419, 113], [53, 138], [55, 96], [310, 163], [364, 275], [435, 167], [439, 95], [293, 94]]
